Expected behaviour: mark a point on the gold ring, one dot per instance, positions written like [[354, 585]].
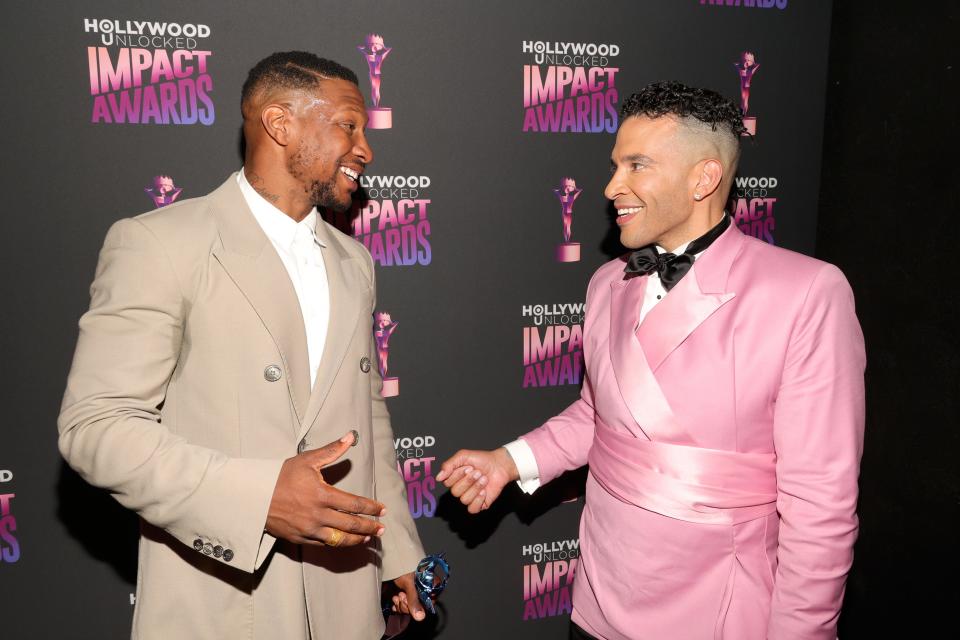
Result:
[[336, 538]]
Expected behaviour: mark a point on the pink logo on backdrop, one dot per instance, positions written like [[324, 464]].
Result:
[[149, 72], [383, 328], [375, 52], [752, 203], [747, 4], [416, 464], [553, 344], [9, 545], [567, 193], [746, 67], [570, 87], [163, 191], [392, 221], [548, 579]]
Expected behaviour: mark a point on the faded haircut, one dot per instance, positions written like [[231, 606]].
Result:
[[703, 112], [292, 70]]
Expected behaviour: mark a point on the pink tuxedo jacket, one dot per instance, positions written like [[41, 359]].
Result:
[[724, 435]]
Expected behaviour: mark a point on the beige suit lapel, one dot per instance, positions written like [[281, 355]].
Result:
[[347, 286], [254, 266]]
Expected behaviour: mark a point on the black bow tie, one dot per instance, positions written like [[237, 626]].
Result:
[[670, 267]]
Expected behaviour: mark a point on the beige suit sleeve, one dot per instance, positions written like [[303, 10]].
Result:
[[401, 543], [110, 427]]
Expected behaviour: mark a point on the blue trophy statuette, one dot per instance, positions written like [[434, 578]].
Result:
[[431, 579]]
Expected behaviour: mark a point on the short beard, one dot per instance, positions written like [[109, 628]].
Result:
[[324, 195], [321, 193]]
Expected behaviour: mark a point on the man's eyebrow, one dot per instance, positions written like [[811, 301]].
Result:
[[350, 110], [634, 157]]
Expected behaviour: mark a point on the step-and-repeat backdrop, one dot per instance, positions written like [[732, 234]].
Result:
[[493, 116]]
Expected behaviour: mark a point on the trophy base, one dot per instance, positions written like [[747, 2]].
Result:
[[751, 125], [379, 118], [568, 252], [390, 388]]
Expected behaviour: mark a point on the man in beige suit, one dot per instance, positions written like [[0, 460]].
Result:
[[228, 340]]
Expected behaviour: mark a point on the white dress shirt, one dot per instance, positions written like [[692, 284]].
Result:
[[519, 450], [300, 251]]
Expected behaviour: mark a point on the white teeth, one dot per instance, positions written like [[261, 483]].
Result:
[[625, 212], [350, 173]]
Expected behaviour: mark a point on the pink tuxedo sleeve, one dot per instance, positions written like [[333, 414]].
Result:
[[818, 437], [564, 441]]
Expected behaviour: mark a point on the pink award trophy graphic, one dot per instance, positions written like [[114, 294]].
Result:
[[568, 193], [383, 328], [163, 191], [374, 52], [746, 67]]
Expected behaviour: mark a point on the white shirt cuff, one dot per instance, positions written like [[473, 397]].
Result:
[[526, 463]]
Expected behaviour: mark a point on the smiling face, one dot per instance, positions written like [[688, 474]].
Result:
[[653, 182], [328, 149]]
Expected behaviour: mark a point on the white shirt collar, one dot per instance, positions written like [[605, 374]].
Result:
[[679, 250], [676, 251], [280, 228]]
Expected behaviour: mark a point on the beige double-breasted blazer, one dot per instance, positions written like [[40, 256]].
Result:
[[174, 404]]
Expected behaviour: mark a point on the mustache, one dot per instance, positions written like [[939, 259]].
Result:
[[355, 161]]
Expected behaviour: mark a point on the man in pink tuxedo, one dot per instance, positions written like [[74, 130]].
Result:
[[722, 411]]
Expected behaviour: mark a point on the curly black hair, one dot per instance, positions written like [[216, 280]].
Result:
[[292, 70], [675, 98]]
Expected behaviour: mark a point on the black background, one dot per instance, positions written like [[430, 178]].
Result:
[[888, 218], [887, 211]]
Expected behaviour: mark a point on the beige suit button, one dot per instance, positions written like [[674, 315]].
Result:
[[272, 373], [217, 551], [207, 549], [365, 364], [198, 544], [228, 554]]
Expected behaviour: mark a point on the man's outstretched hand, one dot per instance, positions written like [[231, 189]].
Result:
[[478, 477], [306, 510]]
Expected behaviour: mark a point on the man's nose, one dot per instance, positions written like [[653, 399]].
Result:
[[615, 187], [362, 149]]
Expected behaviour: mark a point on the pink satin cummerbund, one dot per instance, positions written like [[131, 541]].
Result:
[[709, 486]]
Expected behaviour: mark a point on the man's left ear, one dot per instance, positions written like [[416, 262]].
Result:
[[711, 174]]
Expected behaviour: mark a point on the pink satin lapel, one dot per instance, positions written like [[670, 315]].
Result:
[[638, 387], [669, 323]]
